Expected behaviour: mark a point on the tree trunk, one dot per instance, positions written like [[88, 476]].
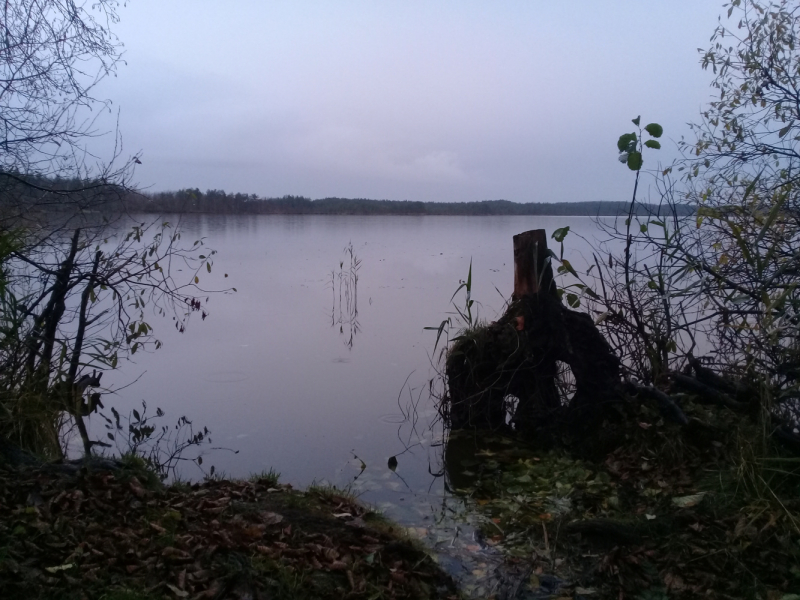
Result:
[[43, 336]]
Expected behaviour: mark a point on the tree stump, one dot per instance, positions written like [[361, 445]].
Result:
[[532, 269], [504, 375]]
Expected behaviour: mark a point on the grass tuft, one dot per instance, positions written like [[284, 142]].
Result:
[[269, 477]]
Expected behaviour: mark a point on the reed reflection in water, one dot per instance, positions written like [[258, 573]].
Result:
[[344, 287]]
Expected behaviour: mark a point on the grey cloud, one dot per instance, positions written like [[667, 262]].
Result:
[[406, 100]]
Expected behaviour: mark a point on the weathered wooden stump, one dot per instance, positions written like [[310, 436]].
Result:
[[504, 375], [532, 269]]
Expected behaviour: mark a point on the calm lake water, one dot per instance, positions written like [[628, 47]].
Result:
[[282, 372]]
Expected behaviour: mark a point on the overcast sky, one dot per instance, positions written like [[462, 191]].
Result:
[[418, 100]]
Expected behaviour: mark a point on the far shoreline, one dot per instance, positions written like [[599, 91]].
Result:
[[193, 201]]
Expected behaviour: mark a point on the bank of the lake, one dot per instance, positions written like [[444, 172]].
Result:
[[110, 530], [671, 512]]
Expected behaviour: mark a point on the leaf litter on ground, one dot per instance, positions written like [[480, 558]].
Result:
[[650, 517], [97, 533]]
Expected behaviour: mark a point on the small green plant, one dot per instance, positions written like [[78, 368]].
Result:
[[328, 491], [630, 145], [635, 297], [269, 477], [464, 314], [160, 447]]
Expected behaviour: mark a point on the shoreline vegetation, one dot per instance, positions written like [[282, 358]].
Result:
[[219, 202], [189, 201]]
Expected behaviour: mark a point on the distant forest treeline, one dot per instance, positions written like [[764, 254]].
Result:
[[219, 202]]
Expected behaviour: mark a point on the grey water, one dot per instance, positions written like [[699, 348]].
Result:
[[286, 376], [278, 375]]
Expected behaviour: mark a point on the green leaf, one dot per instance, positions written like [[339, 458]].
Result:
[[785, 130], [643, 228], [654, 129], [653, 144], [636, 120], [736, 232], [439, 330], [208, 267], [773, 214], [625, 141], [591, 293], [560, 234], [573, 300], [458, 289], [568, 266], [635, 161]]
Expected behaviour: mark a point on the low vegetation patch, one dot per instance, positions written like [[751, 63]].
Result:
[[114, 534], [673, 512]]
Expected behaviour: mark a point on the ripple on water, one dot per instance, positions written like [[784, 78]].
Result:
[[392, 419]]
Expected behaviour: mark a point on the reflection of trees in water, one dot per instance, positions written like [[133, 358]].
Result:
[[344, 288]]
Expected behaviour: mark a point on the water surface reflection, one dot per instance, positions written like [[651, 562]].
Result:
[[313, 367]]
